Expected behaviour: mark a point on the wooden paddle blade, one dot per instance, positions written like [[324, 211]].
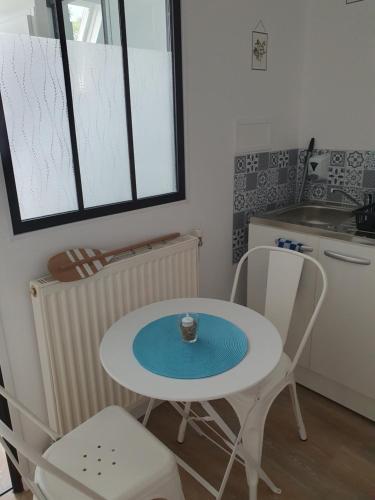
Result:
[[60, 266], [80, 263]]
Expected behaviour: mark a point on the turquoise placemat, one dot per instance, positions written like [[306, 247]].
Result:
[[221, 345]]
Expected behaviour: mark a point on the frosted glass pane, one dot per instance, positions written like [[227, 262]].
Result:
[[33, 94], [100, 115], [151, 87]]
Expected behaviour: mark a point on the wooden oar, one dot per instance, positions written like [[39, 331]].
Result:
[[80, 263]]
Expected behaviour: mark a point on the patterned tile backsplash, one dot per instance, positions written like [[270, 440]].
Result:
[[270, 180], [262, 182], [351, 171]]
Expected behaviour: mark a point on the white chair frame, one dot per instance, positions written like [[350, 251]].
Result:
[[9, 436], [167, 486], [257, 410]]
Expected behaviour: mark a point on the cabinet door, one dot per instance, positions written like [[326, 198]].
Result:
[[256, 283], [343, 341]]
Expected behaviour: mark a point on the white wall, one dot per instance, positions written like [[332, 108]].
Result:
[[219, 89], [338, 95]]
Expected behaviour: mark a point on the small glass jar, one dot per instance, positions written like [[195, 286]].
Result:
[[189, 328]]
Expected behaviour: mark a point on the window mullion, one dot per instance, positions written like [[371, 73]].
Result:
[[176, 42], [129, 122], [70, 105]]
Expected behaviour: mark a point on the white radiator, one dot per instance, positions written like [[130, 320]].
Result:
[[71, 319]]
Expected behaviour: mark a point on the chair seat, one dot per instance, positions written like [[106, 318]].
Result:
[[111, 453], [242, 400]]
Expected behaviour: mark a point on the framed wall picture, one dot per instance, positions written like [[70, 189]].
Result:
[[259, 50]]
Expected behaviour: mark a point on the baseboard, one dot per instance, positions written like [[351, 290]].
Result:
[[340, 394]]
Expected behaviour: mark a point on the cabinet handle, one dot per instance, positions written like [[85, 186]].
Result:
[[347, 258]]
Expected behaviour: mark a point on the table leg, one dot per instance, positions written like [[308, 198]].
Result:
[[181, 412], [183, 424], [148, 412]]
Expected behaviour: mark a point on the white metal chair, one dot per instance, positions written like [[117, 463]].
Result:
[[252, 406], [111, 456]]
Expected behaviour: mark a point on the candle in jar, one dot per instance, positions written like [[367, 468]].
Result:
[[189, 328]]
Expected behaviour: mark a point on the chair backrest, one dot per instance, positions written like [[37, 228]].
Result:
[[9, 437], [283, 279]]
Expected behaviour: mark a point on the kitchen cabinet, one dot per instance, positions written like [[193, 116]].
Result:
[[339, 360], [343, 341]]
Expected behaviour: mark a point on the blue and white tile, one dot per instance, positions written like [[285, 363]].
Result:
[[283, 176], [338, 158], [273, 177], [263, 178], [370, 160], [291, 189], [274, 159], [252, 162], [318, 191], [283, 159], [251, 200], [369, 179], [292, 174], [239, 237], [251, 181], [282, 195], [264, 161], [355, 159], [354, 177], [240, 182], [239, 203], [302, 156], [293, 157], [240, 165], [262, 200], [272, 195], [336, 176]]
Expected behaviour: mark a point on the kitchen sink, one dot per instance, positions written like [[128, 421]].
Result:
[[317, 215], [330, 220]]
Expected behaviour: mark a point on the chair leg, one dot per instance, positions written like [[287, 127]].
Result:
[[183, 424], [297, 411], [252, 447], [148, 412]]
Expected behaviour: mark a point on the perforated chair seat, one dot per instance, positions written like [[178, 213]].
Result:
[[115, 456]]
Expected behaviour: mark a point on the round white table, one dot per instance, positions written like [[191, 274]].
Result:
[[264, 352], [265, 349]]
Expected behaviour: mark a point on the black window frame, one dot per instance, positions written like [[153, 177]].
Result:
[[27, 225]]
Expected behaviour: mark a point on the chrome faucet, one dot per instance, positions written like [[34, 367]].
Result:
[[367, 198]]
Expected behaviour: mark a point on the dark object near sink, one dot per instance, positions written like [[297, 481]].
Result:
[[365, 217]]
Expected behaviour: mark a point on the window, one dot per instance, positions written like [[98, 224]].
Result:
[[91, 117]]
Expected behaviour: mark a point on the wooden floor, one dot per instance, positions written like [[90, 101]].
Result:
[[5, 482], [336, 463]]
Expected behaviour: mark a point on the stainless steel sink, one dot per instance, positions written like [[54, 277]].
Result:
[[331, 220], [317, 215]]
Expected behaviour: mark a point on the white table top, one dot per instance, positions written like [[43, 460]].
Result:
[[265, 349]]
